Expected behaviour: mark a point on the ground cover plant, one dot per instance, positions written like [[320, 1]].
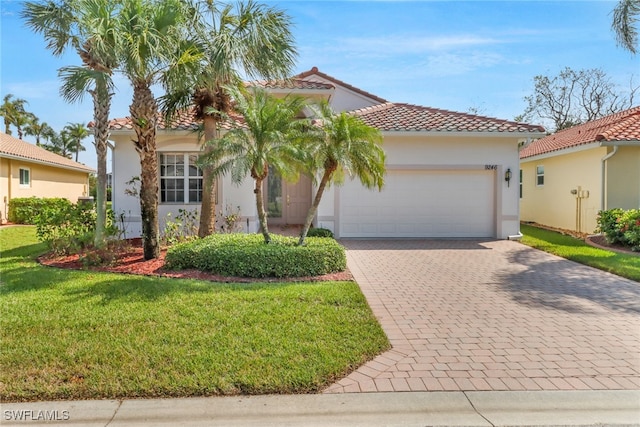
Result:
[[70, 334], [247, 255], [625, 265]]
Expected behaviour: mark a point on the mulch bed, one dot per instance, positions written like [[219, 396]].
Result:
[[131, 261]]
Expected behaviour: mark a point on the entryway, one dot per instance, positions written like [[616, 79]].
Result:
[[287, 203]]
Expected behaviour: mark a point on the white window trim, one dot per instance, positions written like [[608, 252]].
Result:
[[538, 175], [28, 185], [185, 178]]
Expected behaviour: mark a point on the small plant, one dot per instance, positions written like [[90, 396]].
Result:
[[229, 222], [181, 229], [621, 227], [93, 256], [320, 232]]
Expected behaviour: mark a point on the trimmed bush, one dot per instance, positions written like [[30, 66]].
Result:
[[246, 255], [319, 232], [25, 210], [621, 227]]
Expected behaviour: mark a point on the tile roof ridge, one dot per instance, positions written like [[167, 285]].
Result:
[[627, 119], [314, 71]]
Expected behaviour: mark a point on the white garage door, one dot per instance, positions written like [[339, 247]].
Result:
[[421, 204]]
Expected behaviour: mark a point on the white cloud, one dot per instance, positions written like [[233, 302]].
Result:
[[451, 64]]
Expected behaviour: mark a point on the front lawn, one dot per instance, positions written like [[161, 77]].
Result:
[[576, 250], [82, 334]]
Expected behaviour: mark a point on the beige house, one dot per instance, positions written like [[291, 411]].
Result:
[[30, 171], [449, 174], [567, 177]]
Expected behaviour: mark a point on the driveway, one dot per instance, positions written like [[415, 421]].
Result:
[[466, 315]]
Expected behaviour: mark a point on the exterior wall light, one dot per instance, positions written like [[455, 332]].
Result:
[[507, 177]]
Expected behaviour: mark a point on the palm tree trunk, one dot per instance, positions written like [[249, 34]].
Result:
[[144, 111], [262, 215], [208, 207], [101, 107], [326, 177]]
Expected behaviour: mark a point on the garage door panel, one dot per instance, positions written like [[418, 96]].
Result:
[[421, 204]]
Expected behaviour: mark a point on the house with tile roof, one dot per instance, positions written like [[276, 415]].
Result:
[[449, 174], [27, 170], [566, 178]]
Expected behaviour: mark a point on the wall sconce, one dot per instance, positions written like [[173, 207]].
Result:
[[507, 177]]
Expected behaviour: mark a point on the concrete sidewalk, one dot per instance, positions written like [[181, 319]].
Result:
[[496, 408]]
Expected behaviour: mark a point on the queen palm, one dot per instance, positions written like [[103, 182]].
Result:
[[342, 145], [39, 129], [251, 39], [625, 19], [266, 139], [87, 27], [77, 132], [10, 110], [152, 37]]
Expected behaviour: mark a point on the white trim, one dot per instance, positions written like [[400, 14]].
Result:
[[538, 175], [20, 184]]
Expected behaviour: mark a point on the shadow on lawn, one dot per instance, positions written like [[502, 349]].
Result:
[[568, 286]]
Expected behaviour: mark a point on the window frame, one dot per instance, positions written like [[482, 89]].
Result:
[[539, 175], [521, 174], [188, 161], [21, 179]]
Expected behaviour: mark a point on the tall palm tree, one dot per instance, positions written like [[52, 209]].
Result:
[[87, 26], [10, 110], [251, 39], [266, 139], [62, 144], [152, 38], [342, 145], [39, 129], [625, 19], [77, 132]]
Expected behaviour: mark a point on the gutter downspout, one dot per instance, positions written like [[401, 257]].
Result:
[[603, 180]]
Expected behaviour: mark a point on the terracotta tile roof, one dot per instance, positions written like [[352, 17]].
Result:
[[407, 117], [314, 71], [622, 126], [17, 148], [293, 83], [184, 120]]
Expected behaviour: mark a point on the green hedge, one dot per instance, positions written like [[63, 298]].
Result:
[[24, 210], [246, 255], [621, 227]]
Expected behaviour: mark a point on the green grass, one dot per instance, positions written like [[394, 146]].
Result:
[[81, 334], [576, 250]]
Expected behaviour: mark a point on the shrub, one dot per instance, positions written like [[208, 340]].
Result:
[[621, 227], [246, 255], [69, 228], [181, 229], [24, 210], [319, 232]]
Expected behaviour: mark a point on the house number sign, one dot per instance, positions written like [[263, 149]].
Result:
[[491, 167]]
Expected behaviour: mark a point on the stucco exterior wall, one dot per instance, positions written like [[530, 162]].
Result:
[[553, 204], [46, 181], [623, 179]]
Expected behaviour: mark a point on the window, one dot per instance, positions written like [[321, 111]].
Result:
[[521, 183], [180, 178], [25, 177], [539, 175]]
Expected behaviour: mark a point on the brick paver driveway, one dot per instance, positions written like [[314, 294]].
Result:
[[493, 315]]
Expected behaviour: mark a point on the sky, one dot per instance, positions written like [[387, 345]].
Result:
[[453, 55]]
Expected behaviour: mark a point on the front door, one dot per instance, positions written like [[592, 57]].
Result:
[[287, 203]]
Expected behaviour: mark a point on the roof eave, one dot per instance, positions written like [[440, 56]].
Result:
[[45, 163], [561, 151], [630, 143]]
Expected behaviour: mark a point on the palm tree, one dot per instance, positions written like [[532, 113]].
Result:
[[62, 144], [39, 130], [88, 27], [343, 144], [10, 110], [254, 40], [77, 132], [625, 18], [266, 139], [152, 38]]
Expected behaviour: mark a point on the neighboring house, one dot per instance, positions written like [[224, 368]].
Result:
[[27, 170], [445, 172], [567, 177]]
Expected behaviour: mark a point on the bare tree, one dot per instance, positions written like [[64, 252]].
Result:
[[574, 97]]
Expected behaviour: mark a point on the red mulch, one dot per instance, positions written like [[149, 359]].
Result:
[[131, 261]]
